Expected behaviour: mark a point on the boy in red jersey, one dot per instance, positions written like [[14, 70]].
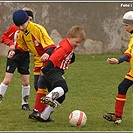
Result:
[[21, 62], [35, 39], [52, 73], [123, 87]]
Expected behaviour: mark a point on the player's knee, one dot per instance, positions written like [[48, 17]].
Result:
[[62, 84], [6, 81], [36, 77], [36, 87], [25, 82], [122, 89], [41, 83]]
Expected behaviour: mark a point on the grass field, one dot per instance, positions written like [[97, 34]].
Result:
[[92, 88]]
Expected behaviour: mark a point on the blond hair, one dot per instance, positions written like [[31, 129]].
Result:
[[27, 9], [76, 31], [29, 12]]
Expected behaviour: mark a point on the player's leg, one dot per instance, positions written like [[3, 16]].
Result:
[[45, 115], [41, 92], [4, 84], [25, 92], [116, 117], [50, 99], [36, 77], [121, 98], [10, 68], [59, 88], [55, 97], [38, 105], [23, 69]]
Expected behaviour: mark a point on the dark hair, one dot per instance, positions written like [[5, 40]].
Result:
[[30, 13]]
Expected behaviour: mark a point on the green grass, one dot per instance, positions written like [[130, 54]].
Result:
[[92, 88]]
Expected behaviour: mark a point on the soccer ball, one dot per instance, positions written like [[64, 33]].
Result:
[[77, 118]]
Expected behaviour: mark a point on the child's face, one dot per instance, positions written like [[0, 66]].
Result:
[[75, 42], [23, 26], [128, 27]]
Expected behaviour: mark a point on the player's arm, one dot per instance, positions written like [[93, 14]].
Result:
[[18, 50], [123, 58], [73, 58], [5, 38], [47, 53], [8, 36], [7, 41], [44, 38], [46, 43], [119, 60], [54, 59], [49, 50]]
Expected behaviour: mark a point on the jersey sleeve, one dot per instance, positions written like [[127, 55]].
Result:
[[44, 38], [129, 50], [8, 36]]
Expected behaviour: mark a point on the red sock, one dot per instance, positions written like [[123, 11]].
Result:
[[38, 105], [119, 106]]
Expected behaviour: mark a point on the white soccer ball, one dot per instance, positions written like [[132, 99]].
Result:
[[77, 118]]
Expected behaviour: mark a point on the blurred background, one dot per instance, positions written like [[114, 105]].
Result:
[[102, 22]]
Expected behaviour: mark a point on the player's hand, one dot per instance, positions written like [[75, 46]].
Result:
[[44, 57], [11, 54], [112, 61], [12, 47]]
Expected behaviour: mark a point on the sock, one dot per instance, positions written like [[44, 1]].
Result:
[[47, 112], [3, 89], [56, 93], [38, 105], [120, 102], [25, 94]]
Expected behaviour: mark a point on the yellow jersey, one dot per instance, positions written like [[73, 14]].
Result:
[[129, 52], [35, 40]]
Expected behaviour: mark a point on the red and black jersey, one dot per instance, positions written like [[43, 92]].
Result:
[[62, 55], [9, 37]]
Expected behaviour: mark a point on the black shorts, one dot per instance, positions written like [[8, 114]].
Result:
[[124, 86], [19, 61], [51, 78]]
